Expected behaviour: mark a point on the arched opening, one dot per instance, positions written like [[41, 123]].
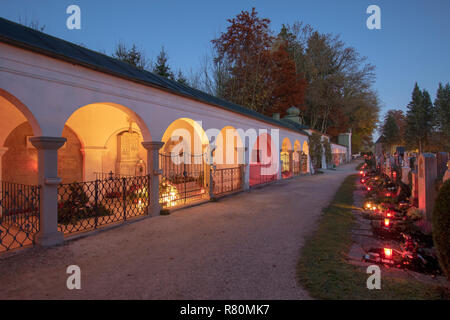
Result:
[[109, 140], [263, 162], [285, 157], [305, 158], [19, 194], [103, 168], [228, 160], [185, 173]]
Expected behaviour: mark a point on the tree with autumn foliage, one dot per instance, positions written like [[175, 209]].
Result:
[[288, 87], [245, 49], [256, 70]]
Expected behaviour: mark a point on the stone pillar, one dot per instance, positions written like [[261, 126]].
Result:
[[2, 152], [427, 179], [210, 170], [291, 159], [93, 161], [244, 161], [280, 165], [153, 172], [47, 147]]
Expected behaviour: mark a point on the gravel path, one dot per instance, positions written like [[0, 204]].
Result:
[[243, 247]]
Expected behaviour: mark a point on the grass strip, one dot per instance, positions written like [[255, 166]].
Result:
[[323, 268]]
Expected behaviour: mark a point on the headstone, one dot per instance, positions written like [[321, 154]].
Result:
[[441, 165], [414, 187], [127, 153], [405, 175], [447, 173], [426, 185]]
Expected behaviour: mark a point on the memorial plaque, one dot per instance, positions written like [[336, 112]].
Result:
[[127, 153]]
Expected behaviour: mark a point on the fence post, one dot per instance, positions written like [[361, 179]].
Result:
[[124, 198], [96, 204], [47, 147], [154, 172]]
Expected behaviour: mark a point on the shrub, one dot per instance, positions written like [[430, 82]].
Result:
[[315, 150], [441, 227]]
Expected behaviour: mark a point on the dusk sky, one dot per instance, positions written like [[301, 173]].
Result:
[[413, 44]]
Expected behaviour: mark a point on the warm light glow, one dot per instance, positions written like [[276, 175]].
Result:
[[169, 197], [368, 205], [361, 172], [388, 253], [387, 222], [389, 214], [388, 194]]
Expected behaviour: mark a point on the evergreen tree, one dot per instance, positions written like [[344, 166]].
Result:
[[161, 67], [442, 112], [419, 119], [132, 56], [391, 131], [181, 78]]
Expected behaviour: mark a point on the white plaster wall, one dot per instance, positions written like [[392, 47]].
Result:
[[53, 90]]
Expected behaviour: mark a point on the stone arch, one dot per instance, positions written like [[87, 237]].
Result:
[[18, 158], [229, 148], [112, 137]]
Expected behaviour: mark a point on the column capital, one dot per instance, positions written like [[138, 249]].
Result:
[[152, 145], [48, 143]]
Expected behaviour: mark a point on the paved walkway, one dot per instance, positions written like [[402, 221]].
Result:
[[243, 247]]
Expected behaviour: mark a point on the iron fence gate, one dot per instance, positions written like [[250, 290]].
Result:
[[227, 180], [183, 179], [84, 206], [19, 215]]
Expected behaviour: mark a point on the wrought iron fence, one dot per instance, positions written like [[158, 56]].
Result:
[[183, 180], [261, 174], [84, 206], [285, 165], [19, 215], [296, 167], [227, 180], [304, 162], [109, 175]]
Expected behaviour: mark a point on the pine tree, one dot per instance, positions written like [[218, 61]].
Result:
[[132, 56], [181, 78], [161, 67], [442, 111], [391, 131], [419, 119]]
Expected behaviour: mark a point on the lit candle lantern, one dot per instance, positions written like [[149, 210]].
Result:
[[388, 253]]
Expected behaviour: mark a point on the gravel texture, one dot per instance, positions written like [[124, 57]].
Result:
[[245, 246]]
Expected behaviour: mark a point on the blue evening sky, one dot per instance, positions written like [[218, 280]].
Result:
[[413, 44]]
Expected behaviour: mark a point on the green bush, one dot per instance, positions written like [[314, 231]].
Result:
[[441, 227]]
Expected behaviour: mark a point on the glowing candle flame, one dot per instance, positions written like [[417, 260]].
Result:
[[388, 253]]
